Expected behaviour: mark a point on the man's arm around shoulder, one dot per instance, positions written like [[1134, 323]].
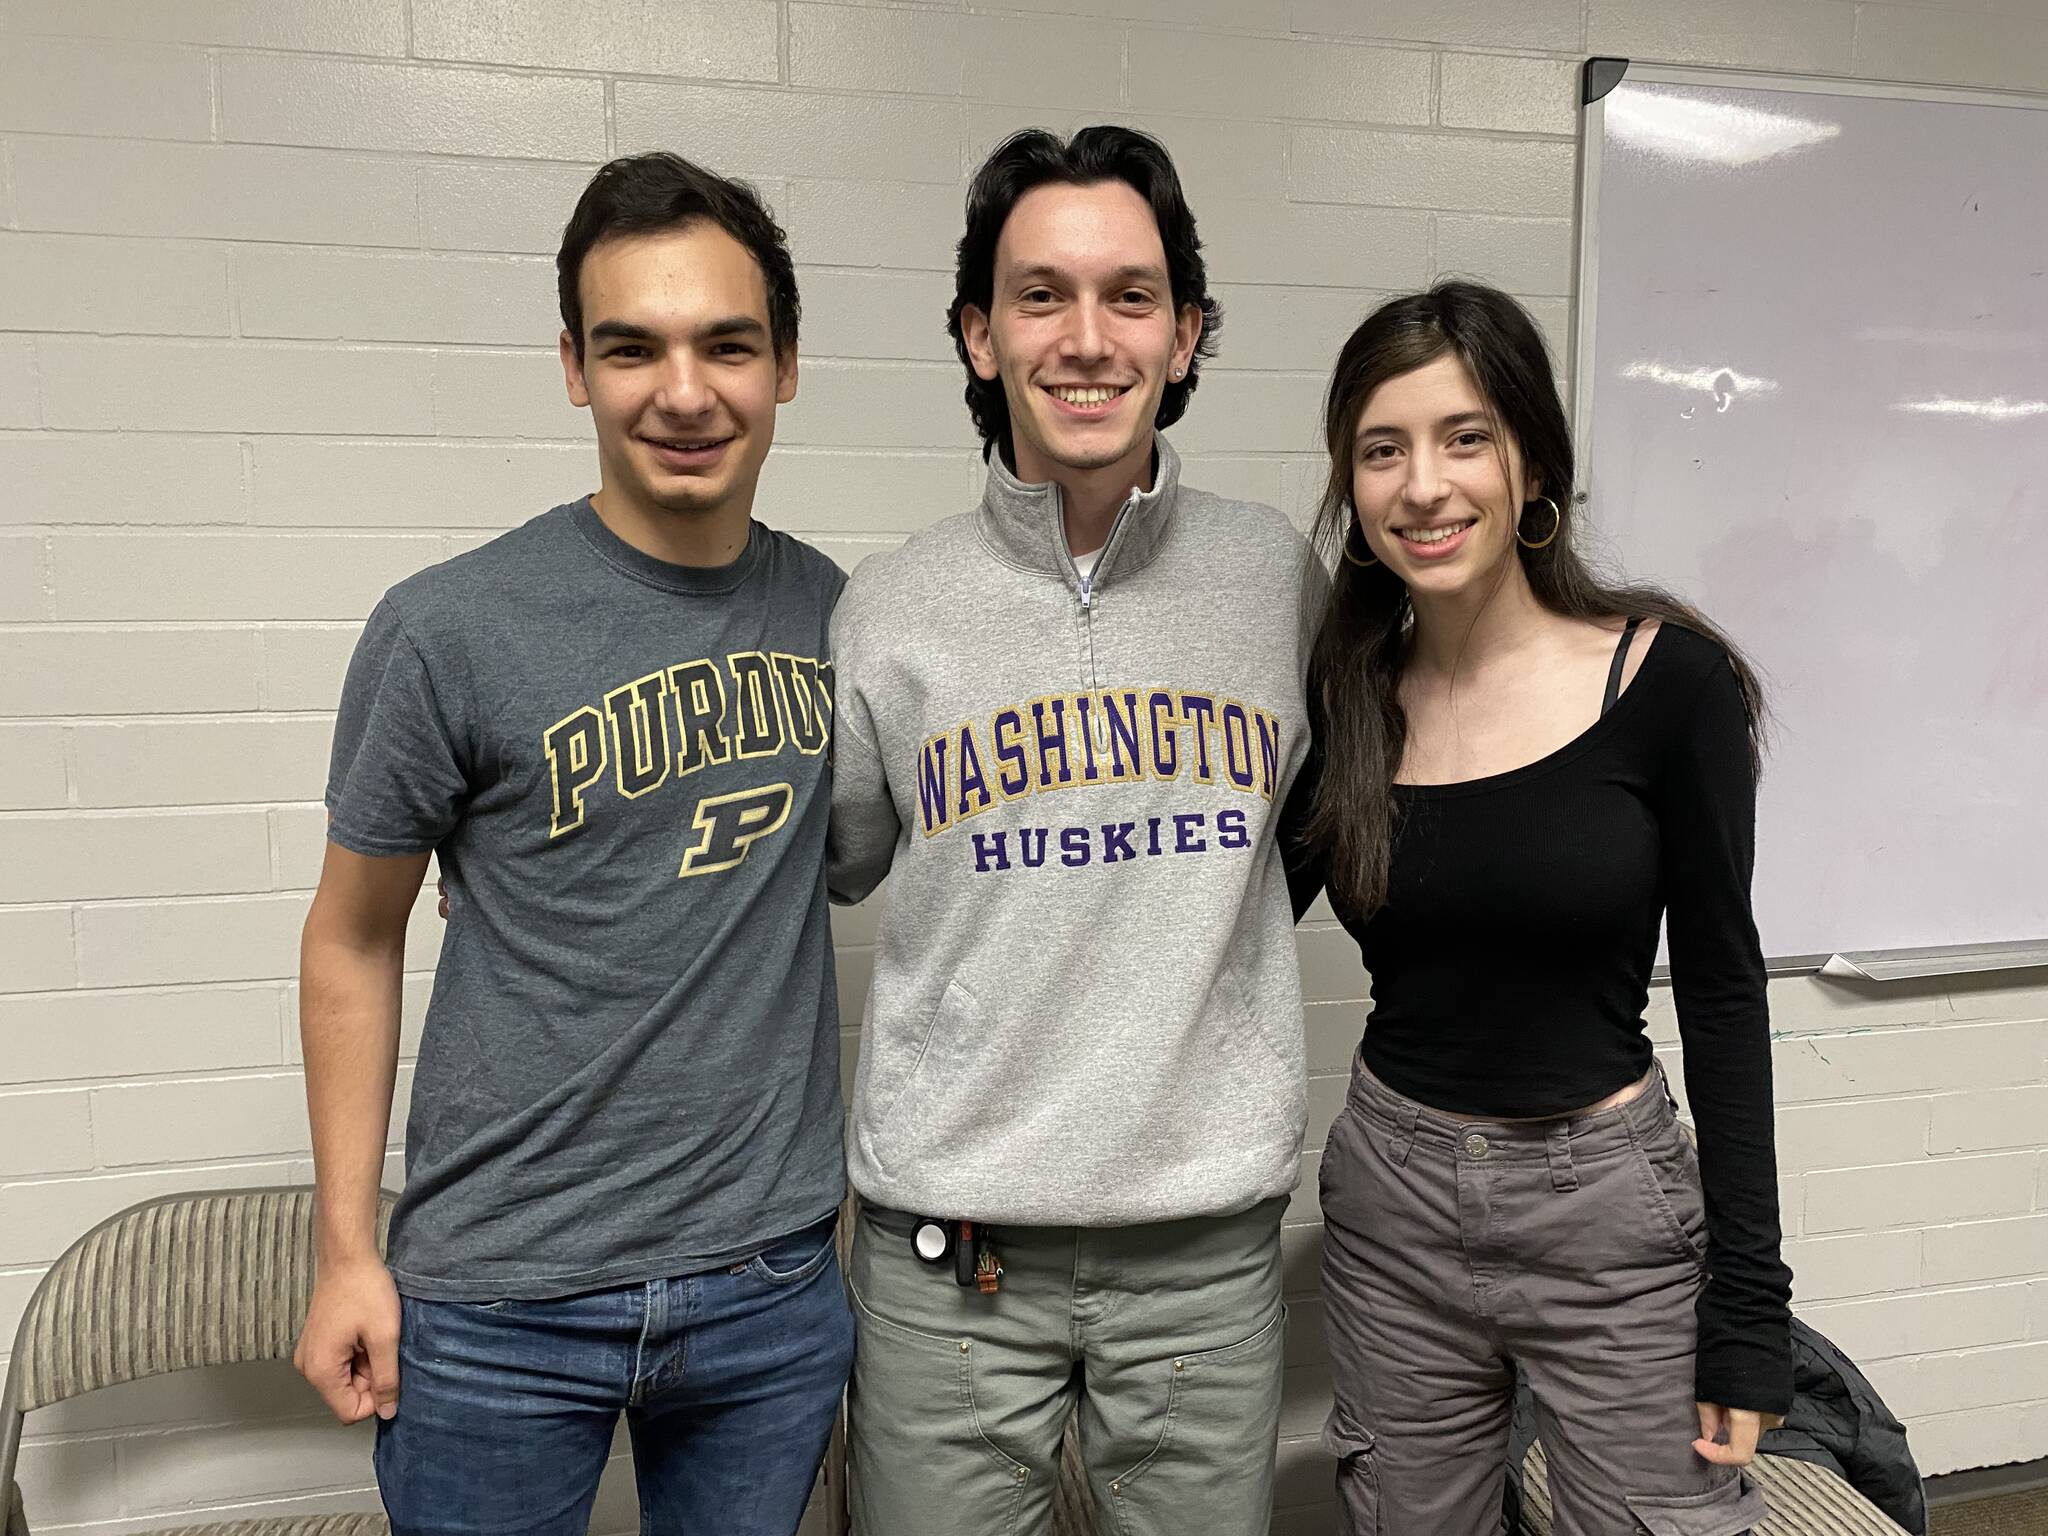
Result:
[[351, 962], [864, 830]]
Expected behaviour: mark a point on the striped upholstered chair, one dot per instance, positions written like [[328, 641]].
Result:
[[202, 1279], [1805, 1500]]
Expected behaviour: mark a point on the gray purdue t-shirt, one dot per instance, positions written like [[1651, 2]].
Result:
[[630, 1067]]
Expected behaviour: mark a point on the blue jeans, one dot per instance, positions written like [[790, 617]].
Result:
[[729, 1381]]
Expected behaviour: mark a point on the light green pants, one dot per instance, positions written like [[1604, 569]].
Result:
[[1168, 1338]]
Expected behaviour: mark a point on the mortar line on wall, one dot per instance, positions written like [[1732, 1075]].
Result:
[[71, 793]]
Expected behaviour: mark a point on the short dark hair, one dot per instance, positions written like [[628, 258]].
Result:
[[1036, 158], [641, 194]]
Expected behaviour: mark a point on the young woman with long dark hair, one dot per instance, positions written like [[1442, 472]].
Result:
[[1520, 769]]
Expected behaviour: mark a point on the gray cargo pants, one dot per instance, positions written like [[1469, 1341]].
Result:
[[1572, 1247], [1167, 1338]]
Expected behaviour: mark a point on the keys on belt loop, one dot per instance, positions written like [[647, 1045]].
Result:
[[988, 1269], [971, 1248]]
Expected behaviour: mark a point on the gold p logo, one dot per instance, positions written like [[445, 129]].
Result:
[[731, 823]]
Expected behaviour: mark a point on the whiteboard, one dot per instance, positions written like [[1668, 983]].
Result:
[[1811, 382]]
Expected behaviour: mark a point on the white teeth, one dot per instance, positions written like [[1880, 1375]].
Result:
[[1432, 535]]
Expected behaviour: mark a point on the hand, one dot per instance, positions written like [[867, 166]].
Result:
[[441, 888], [1728, 1436], [348, 1349]]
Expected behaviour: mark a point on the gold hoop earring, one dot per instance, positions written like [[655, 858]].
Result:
[[1345, 548], [1556, 525]]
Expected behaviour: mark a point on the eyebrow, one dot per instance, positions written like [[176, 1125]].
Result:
[[729, 325], [1444, 424], [1132, 272]]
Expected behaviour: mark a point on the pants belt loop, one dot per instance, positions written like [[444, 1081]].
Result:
[[1404, 1135], [1563, 1176]]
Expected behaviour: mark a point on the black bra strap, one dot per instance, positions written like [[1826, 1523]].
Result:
[[1628, 635]]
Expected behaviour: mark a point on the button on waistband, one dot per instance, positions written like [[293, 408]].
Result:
[[1475, 1146]]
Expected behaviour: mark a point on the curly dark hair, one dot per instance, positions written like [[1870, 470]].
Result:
[[640, 194], [1036, 158]]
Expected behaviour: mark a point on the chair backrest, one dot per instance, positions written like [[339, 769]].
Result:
[[213, 1278], [199, 1279], [205, 1278]]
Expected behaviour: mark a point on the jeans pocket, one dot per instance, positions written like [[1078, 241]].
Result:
[[797, 1256], [1728, 1510], [1211, 1398], [1358, 1478], [1671, 1185], [915, 1387]]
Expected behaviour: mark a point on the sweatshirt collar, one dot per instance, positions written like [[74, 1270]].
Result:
[[1024, 524]]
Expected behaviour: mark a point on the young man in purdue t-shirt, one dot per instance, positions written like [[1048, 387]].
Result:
[[622, 1157]]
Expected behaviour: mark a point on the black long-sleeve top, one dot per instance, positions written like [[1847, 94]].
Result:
[[1511, 962]]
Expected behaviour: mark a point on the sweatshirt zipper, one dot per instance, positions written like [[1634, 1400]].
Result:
[[1086, 586]]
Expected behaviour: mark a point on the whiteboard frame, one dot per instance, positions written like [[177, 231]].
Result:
[[1871, 965]]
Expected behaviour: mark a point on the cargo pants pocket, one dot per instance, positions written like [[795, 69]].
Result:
[[1358, 1478], [1729, 1510]]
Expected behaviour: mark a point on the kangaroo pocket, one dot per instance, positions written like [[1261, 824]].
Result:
[[1263, 1099], [1058, 1087], [944, 1097]]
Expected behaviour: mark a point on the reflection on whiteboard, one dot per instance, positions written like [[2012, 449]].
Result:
[[1718, 130], [1819, 408]]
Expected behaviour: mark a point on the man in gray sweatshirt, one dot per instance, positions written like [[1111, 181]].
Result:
[[1067, 721]]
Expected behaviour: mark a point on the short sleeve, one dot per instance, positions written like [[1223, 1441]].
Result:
[[396, 780]]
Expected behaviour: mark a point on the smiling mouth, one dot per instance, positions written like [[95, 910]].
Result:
[[686, 444], [1086, 397], [1425, 537]]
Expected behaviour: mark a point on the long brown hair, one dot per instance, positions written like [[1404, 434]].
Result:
[[1355, 672]]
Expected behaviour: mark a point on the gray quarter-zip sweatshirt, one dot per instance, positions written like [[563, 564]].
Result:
[[1085, 1007]]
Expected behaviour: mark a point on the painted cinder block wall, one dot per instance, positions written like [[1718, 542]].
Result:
[[276, 329]]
